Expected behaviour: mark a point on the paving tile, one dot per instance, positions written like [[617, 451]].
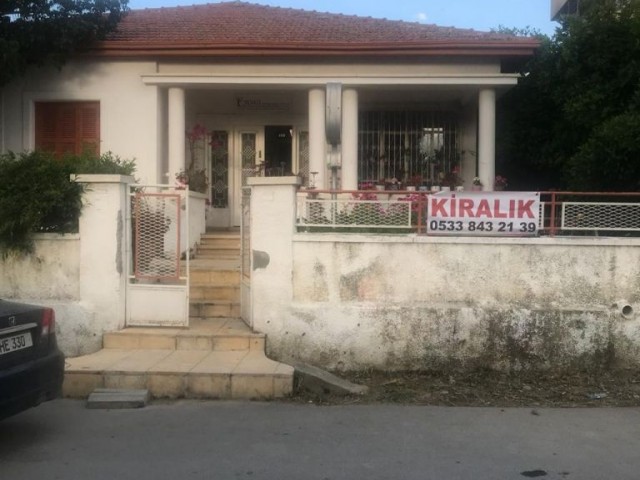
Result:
[[125, 381], [256, 363], [162, 385], [96, 362], [282, 386], [139, 361], [219, 362], [80, 385], [230, 343], [251, 387], [180, 361], [207, 385], [284, 369], [194, 342]]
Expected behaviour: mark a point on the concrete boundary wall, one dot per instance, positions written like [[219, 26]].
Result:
[[350, 301], [83, 276]]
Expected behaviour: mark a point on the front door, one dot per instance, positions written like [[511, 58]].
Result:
[[248, 157], [278, 150], [239, 153]]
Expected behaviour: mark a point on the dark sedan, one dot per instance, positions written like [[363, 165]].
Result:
[[31, 365]]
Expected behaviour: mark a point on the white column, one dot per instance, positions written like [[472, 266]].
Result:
[[350, 139], [177, 141], [487, 137], [317, 141]]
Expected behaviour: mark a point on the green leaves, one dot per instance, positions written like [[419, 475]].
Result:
[[47, 32], [579, 94], [37, 195]]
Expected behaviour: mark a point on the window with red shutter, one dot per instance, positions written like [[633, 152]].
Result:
[[67, 127]]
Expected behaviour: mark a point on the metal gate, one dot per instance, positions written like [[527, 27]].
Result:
[[158, 281]]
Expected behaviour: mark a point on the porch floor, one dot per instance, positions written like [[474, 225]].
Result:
[[213, 358]]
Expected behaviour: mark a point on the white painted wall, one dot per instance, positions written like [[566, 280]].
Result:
[[129, 109], [355, 301]]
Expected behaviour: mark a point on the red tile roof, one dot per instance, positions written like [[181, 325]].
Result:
[[237, 28]]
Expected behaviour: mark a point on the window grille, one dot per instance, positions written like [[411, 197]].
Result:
[[407, 145], [219, 169]]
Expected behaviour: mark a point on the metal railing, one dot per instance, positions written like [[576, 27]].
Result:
[[561, 213]]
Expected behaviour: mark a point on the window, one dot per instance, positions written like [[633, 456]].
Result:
[[406, 145], [67, 127]]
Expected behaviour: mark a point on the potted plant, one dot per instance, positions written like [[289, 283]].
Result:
[[452, 179], [414, 182], [500, 183], [476, 184]]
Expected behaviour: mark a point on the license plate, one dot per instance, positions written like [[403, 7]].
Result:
[[17, 342]]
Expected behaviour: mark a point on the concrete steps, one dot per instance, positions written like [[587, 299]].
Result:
[[215, 277], [220, 358]]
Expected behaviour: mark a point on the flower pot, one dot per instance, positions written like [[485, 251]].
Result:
[[411, 188], [380, 188], [476, 188]]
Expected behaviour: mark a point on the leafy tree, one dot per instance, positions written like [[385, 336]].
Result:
[[42, 32], [572, 120]]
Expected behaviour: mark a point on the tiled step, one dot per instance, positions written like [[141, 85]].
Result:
[[220, 335], [210, 359], [214, 309], [198, 292], [205, 276], [180, 374]]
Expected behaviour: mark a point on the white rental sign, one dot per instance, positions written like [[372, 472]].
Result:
[[483, 213]]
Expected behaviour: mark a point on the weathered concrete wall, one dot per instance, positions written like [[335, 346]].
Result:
[[51, 276], [82, 276], [358, 301], [425, 302]]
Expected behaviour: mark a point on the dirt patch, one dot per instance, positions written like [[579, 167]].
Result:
[[491, 389]]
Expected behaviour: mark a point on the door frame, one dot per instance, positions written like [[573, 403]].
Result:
[[231, 216]]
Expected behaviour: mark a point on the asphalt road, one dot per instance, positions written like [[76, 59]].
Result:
[[280, 441]]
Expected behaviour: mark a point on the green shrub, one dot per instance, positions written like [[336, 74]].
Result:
[[37, 195]]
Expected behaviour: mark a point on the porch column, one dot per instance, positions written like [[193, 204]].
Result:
[[487, 137], [350, 139], [177, 141], [317, 141]]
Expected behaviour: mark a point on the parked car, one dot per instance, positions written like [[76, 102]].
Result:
[[31, 365]]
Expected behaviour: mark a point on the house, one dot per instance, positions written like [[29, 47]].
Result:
[[234, 89], [285, 90], [564, 7]]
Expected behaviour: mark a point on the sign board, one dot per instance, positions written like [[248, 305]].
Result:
[[261, 103], [500, 214]]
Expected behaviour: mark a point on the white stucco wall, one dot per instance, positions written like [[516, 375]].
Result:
[[357, 301], [420, 302], [51, 276], [82, 276], [129, 109]]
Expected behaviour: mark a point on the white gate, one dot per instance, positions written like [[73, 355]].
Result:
[[158, 281]]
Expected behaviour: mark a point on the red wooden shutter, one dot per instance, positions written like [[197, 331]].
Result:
[[67, 127]]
